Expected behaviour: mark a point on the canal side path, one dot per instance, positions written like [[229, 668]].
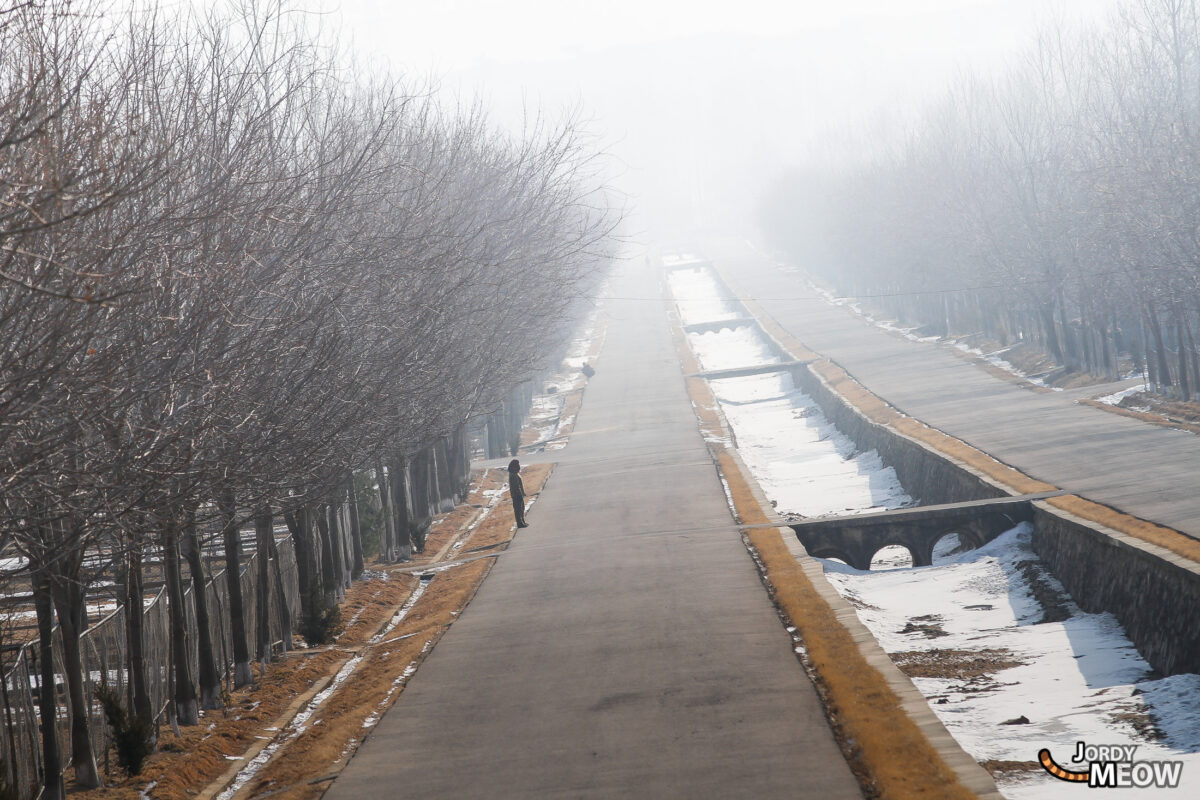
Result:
[[624, 645], [1144, 470]]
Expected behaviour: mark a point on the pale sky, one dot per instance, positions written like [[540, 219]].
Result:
[[702, 101], [450, 35]]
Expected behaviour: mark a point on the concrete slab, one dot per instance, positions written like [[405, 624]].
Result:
[[624, 645]]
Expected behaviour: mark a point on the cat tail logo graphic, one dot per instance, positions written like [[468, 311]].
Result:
[[1113, 767]]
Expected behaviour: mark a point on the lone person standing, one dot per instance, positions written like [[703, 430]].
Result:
[[517, 489]]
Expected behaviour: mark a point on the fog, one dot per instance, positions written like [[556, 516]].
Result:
[[701, 103]]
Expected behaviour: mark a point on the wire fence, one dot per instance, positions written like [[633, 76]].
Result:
[[103, 651]]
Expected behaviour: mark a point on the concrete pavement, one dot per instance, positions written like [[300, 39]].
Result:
[[1139, 468], [624, 645]]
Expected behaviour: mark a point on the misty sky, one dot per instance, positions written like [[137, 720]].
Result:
[[701, 101]]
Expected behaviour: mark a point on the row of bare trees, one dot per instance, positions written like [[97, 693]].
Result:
[[1054, 203], [233, 273]]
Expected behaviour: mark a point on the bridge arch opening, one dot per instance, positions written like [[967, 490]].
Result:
[[892, 556], [831, 554], [948, 546], [952, 544]]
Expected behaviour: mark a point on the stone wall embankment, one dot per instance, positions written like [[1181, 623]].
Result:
[[926, 474], [1152, 592]]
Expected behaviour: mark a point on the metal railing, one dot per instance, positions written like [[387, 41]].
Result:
[[103, 651]]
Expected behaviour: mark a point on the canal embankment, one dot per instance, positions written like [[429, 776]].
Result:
[[1118, 690]]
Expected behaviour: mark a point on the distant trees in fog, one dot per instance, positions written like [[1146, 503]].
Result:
[[1056, 203], [232, 274]]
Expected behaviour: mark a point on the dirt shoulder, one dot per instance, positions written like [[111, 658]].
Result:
[[1155, 410]]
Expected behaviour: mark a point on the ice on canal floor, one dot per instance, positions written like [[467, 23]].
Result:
[[970, 634], [803, 463], [730, 348], [699, 297]]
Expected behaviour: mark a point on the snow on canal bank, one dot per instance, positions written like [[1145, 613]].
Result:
[[1008, 662], [969, 632], [800, 459], [698, 296], [730, 347]]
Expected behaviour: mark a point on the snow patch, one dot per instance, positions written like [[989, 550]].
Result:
[[698, 297], [1076, 680], [803, 463]]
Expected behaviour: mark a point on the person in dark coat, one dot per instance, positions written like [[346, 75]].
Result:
[[517, 489]]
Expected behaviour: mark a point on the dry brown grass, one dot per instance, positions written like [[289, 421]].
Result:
[[1162, 420], [335, 731], [889, 753], [954, 664], [198, 762], [1167, 538]]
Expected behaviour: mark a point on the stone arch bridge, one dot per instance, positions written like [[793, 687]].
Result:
[[856, 539]]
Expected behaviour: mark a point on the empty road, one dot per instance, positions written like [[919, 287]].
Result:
[[624, 645]]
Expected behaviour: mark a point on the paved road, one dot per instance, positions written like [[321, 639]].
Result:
[[623, 646], [1143, 469]]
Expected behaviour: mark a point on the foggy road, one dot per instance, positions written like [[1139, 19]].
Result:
[[1139, 468], [604, 655]]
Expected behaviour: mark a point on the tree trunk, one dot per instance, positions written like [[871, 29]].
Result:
[[338, 545], [329, 575], [1160, 348], [232, 540], [135, 617], [496, 436], [298, 523], [264, 540], [1185, 384], [384, 482], [1193, 360], [355, 528], [401, 511], [210, 679], [47, 703], [186, 709], [418, 480], [460, 463], [285, 613], [445, 480], [1050, 328], [67, 591], [347, 544]]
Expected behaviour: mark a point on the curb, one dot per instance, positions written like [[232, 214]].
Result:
[[913, 705]]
